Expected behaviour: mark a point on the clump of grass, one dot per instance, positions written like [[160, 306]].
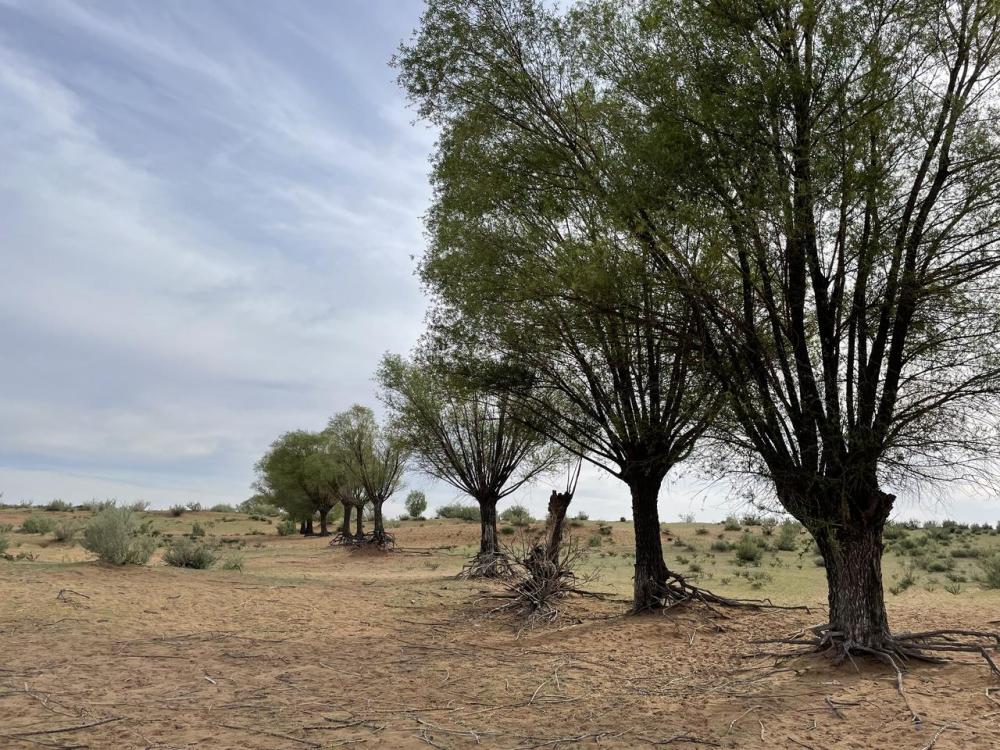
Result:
[[461, 512], [701, 531], [197, 530], [604, 530], [748, 550], [186, 553], [59, 506], [906, 580], [287, 527], [515, 515], [37, 524], [6, 528], [768, 524], [177, 510], [115, 536], [732, 523], [595, 540], [581, 516], [953, 588], [506, 530], [234, 561], [720, 545], [66, 530]]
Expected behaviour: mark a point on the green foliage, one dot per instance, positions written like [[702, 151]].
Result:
[[788, 536], [222, 508], [37, 524], [67, 529], [732, 523], [701, 531], [459, 511], [507, 530], [416, 504], [187, 553], [233, 561], [748, 550], [178, 510], [194, 507], [4, 544], [59, 506], [720, 545], [989, 571], [905, 581], [517, 515], [595, 540], [139, 506], [197, 530], [258, 505], [581, 516], [287, 527], [115, 536]]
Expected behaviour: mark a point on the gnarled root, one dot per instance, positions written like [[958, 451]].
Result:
[[488, 565], [676, 590], [380, 539], [340, 539]]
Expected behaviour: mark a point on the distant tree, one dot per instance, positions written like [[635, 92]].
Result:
[[416, 504], [470, 439], [374, 460]]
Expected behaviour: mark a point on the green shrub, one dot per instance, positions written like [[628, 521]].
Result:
[[732, 523], [953, 588], [507, 530], [788, 536], [287, 527], [595, 540], [186, 553], [6, 528], [59, 506], [517, 515], [720, 545], [116, 537], [751, 519], [461, 512], [893, 531], [908, 578], [177, 510], [701, 531], [622, 519], [233, 561], [990, 567], [194, 507], [966, 552], [748, 550], [139, 506], [222, 508], [37, 524], [416, 504], [768, 524], [940, 566], [66, 530], [4, 544], [197, 529], [581, 516]]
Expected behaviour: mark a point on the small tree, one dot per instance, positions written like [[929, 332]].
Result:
[[470, 439], [416, 504]]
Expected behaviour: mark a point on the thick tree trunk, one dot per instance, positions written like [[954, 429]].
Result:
[[309, 527], [360, 510], [345, 526], [379, 521], [324, 514], [488, 540], [853, 557], [650, 570], [555, 522], [302, 526]]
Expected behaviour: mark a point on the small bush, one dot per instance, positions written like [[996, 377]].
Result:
[[819, 562], [720, 545], [116, 537], [4, 544], [6, 528], [990, 567], [625, 520], [197, 530], [177, 510], [517, 515], [940, 566], [66, 531], [595, 540], [59, 506], [287, 527], [953, 588], [965, 552], [768, 524], [139, 506], [687, 517], [748, 551], [222, 508], [194, 507], [581, 516], [751, 519], [893, 531], [908, 578], [234, 561], [37, 524], [461, 512], [185, 553], [788, 537], [701, 531], [604, 530], [732, 523], [416, 504], [507, 530]]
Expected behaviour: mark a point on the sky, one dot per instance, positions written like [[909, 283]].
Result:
[[209, 214]]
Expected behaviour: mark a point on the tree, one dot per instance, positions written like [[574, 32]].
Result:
[[473, 440], [538, 283], [416, 504], [302, 476], [373, 458]]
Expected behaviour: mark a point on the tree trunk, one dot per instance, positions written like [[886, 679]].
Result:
[[555, 523], [309, 527], [853, 557], [324, 513], [345, 526], [378, 520], [360, 509], [302, 526], [488, 544], [650, 570]]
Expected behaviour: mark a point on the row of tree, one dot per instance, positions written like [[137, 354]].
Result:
[[763, 235]]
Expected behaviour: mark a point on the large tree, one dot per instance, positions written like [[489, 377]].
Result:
[[375, 460], [468, 438], [531, 266]]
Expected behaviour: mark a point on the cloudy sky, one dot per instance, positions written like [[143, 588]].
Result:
[[208, 212]]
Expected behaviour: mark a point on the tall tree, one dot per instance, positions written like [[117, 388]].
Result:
[[375, 460], [468, 438]]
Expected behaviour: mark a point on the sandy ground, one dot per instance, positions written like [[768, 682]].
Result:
[[313, 647]]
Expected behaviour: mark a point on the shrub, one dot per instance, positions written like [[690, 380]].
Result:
[[197, 529], [940, 566], [965, 552], [819, 562], [194, 507], [517, 515], [908, 578], [186, 553], [893, 530], [581, 516], [116, 537], [177, 510], [287, 527], [37, 524], [720, 545], [234, 561], [687, 517], [622, 519], [59, 506], [768, 524], [508, 530], [751, 519], [701, 531], [461, 512], [222, 508], [990, 567], [4, 544], [732, 523], [788, 536], [748, 550], [595, 540], [604, 530], [6, 528], [416, 504], [66, 531], [139, 506]]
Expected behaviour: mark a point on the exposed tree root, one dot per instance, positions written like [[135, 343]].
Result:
[[488, 565], [380, 539], [893, 650], [677, 591], [340, 539]]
